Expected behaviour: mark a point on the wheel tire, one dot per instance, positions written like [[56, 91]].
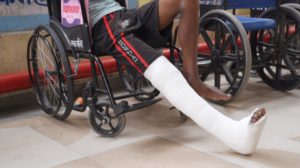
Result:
[[48, 67]]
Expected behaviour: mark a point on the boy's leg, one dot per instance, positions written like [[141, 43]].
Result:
[[188, 38], [242, 136]]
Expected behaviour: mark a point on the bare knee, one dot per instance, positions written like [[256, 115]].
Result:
[[188, 5], [173, 5], [168, 9]]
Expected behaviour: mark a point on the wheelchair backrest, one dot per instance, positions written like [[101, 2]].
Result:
[[70, 19], [72, 12]]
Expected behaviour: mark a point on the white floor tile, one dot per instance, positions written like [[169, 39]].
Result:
[[25, 147]]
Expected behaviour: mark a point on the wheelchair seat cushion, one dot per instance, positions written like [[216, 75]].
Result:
[[251, 23]]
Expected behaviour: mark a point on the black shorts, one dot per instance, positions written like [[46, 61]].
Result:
[[132, 36]]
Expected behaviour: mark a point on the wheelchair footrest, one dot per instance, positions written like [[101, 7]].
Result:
[[143, 104]]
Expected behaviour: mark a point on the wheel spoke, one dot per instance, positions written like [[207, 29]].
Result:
[[290, 66], [218, 33], [217, 79], [207, 72], [111, 127], [268, 68], [265, 44], [100, 125], [227, 74], [52, 88], [278, 68], [226, 43], [231, 57], [98, 115], [207, 39], [106, 110]]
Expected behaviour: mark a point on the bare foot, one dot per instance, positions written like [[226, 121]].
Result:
[[257, 115], [208, 92]]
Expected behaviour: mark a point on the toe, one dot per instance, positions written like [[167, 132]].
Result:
[[261, 113], [257, 115], [253, 120]]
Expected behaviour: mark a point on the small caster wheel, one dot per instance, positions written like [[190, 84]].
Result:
[[105, 121]]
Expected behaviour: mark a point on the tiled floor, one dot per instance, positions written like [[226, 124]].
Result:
[[154, 137]]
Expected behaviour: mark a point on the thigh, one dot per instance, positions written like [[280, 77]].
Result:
[[125, 47], [150, 31]]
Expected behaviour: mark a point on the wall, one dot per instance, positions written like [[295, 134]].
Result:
[[17, 18], [16, 15], [141, 2], [13, 52]]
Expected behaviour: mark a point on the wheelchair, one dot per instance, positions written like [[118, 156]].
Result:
[[274, 45], [53, 56]]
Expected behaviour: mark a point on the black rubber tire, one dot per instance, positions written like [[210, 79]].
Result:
[[293, 5], [228, 60], [60, 72]]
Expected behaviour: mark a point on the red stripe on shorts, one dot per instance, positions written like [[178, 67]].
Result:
[[134, 51], [118, 47]]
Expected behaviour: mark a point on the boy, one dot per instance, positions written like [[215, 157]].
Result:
[[131, 35]]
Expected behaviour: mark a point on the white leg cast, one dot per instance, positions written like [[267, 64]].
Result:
[[242, 136]]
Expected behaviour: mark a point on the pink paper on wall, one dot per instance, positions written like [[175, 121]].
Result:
[[71, 13]]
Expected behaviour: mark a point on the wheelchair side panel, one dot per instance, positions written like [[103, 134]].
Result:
[[240, 4], [246, 4]]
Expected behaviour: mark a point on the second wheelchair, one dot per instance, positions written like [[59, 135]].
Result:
[[274, 38]]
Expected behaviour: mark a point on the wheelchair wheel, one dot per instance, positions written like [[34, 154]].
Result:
[[49, 73], [279, 51], [227, 61], [139, 84], [293, 5], [105, 121], [144, 86]]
